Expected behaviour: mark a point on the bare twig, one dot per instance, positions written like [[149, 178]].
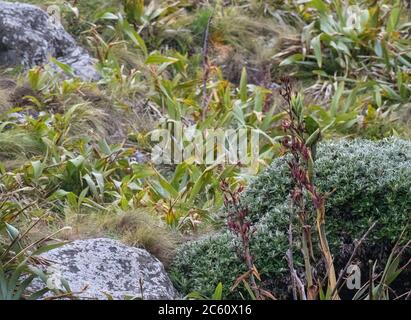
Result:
[[290, 259], [407, 295], [300, 287]]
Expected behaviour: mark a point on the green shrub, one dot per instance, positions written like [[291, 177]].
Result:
[[366, 181]]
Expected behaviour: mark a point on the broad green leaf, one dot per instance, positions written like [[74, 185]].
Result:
[[238, 113], [316, 46], [393, 270], [91, 185], [243, 85], [249, 290], [81, 197], [218, 292], [336, 99], [103, 145], [158, 189], [314, 137], [100, 181], [351, 100], [168, 187], [77, 162], [12, 231], [58, 194], [179, 172], [157, 58], [195, 295], [108, 16], [72, 200], [34, 78], [37, 169], [377, 96], [394, 18], [2, 168], [319, 5], [311, 125], [136, 39], [259, 100], [142, 171], [378, 48], [201, 181], [38, 294], [292, 59], [65, 67]]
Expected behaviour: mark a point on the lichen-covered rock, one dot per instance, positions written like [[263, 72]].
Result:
[[29, 37], [105, 266]]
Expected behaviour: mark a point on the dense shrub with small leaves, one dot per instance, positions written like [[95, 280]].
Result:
[[364, 182]]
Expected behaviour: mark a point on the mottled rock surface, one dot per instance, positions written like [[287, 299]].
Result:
[[29, 37], [108, 266]]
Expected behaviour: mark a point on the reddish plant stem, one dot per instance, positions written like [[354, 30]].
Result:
[[301, 164], [239, 224]]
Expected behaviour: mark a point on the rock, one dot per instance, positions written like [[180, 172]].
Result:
[[108, 266], [28, 36]]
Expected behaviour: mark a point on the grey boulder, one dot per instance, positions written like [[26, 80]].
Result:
[[101, 268], [29, 37]]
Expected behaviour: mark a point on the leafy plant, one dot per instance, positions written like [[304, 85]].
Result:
[[18, 256], [217, 295], [353, 42]]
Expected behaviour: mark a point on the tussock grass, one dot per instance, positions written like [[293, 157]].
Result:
[[138, 227], [17, 142]]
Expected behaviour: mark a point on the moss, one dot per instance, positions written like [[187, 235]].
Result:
[[366, 182]]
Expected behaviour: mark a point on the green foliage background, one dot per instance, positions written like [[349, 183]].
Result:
[[67, 146]]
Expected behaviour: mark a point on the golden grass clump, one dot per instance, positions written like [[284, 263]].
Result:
[[137, 227]]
